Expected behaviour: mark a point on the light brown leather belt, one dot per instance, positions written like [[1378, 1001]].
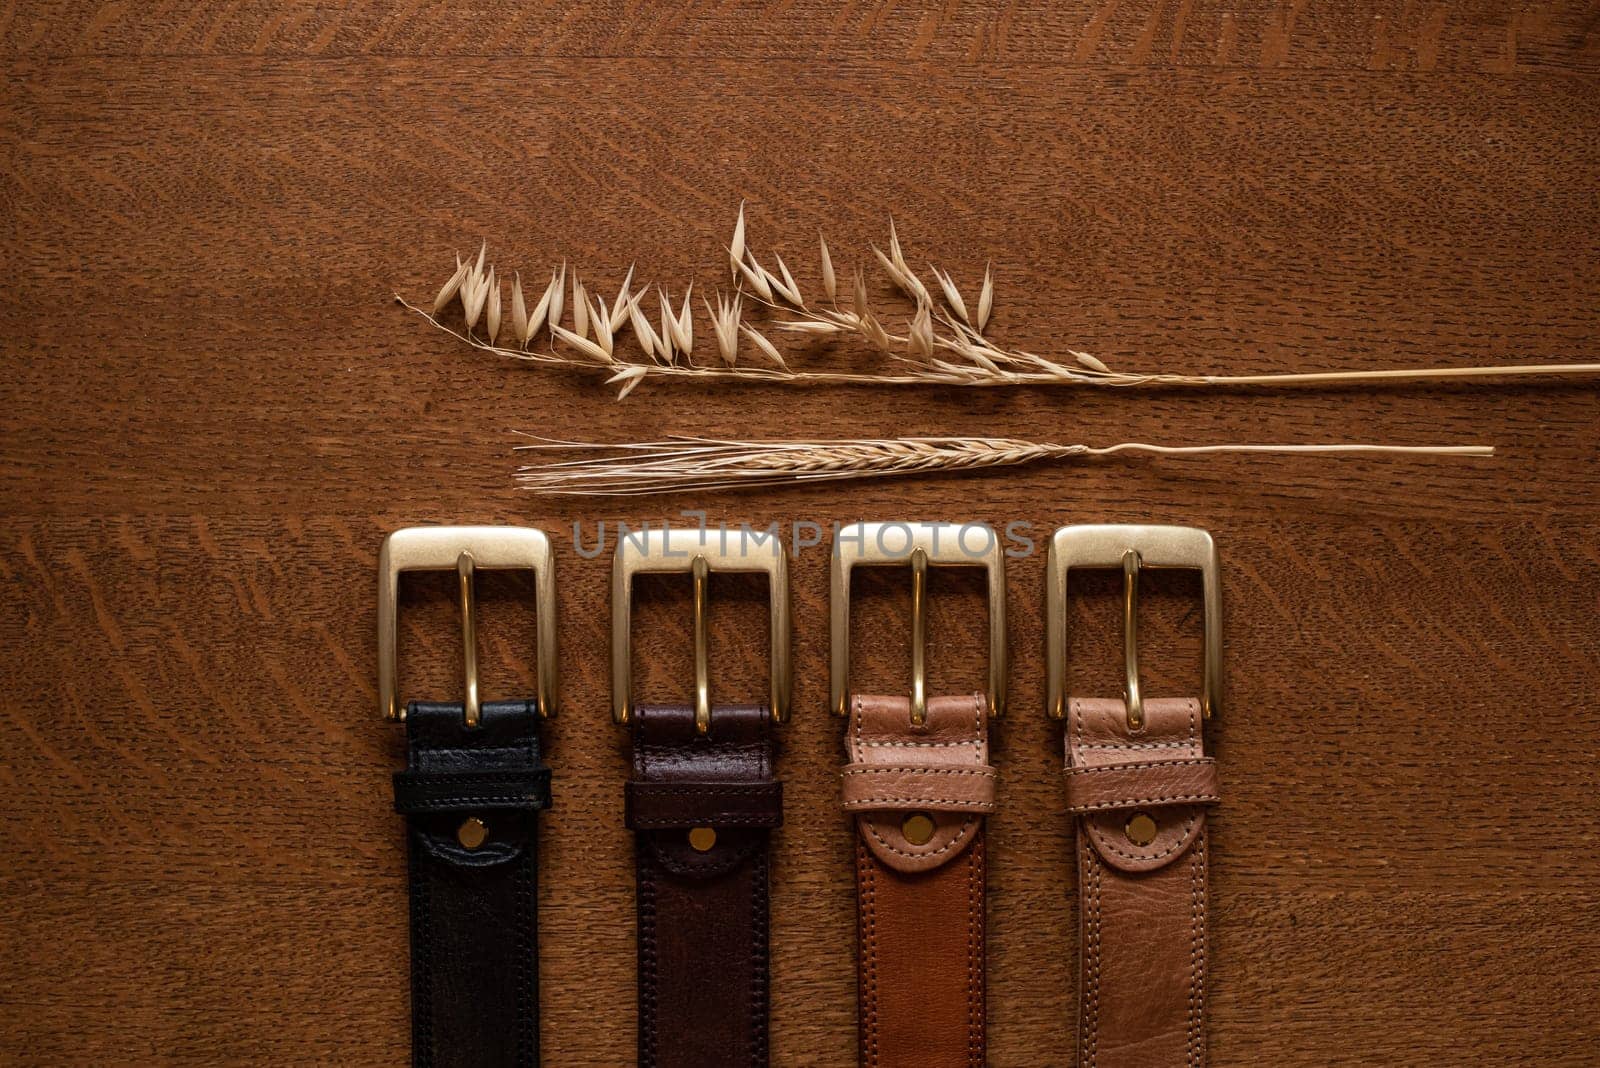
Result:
[[1140, 785], [919, 784]]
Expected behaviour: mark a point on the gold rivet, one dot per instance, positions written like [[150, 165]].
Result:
[[472, 833], [918, 828], [701, 839], [1141, 829]]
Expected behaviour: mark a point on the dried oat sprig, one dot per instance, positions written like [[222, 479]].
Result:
[[681, 464], [944, 343], [725, 324]]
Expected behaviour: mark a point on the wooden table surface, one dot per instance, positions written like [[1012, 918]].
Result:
[[213, 411]]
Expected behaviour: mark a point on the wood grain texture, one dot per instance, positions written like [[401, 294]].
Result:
[[212, 412]]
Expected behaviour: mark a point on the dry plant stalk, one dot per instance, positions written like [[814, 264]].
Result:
[[683, 464], [944, 341]]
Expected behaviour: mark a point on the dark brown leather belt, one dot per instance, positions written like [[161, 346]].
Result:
[[919, 785], [702, 808], [1140, 785], [702, 803]]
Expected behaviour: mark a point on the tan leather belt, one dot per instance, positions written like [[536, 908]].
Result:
[[1140, 785], [918, 784]]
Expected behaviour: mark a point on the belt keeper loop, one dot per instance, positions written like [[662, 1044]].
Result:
[[666, 805], [1142, 785], [889, 787]]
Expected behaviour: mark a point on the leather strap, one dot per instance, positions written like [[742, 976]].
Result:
[[920, 903], [1141, 800], [703, 900], [474, 933]]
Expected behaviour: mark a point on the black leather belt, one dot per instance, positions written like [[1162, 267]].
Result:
[[471, 792]]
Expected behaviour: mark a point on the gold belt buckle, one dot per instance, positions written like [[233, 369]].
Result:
[[1132, 548], [466, 549], [920, 545], [699, 551]]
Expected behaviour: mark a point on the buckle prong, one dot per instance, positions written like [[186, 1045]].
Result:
[[465, 570], [1130, 639], [1134, 548], [702, 657], [919, 635]]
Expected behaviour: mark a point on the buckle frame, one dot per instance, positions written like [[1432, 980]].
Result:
[[698, 552], [935, 544], [466, 549], [1132, 548]]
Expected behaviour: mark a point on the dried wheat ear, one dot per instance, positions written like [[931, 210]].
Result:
[[944, 340], [684, 464]]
